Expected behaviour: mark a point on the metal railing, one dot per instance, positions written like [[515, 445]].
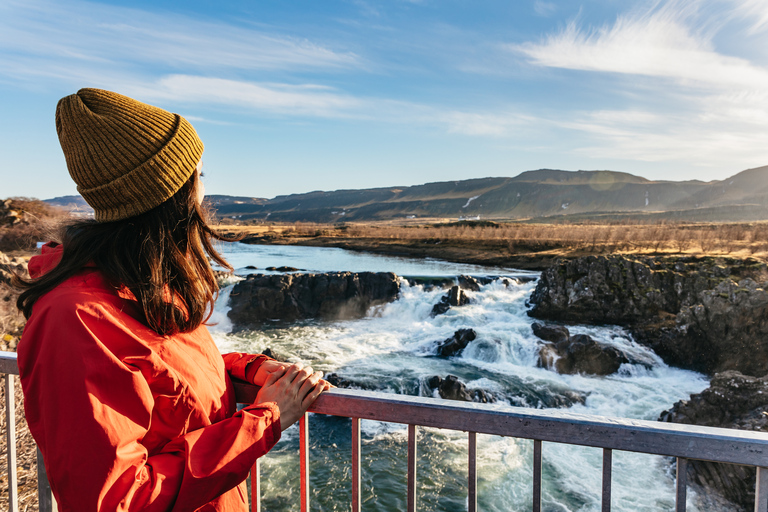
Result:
[[683, 442]]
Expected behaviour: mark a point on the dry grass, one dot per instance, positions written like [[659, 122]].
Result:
[[24, 222], [733, 239]]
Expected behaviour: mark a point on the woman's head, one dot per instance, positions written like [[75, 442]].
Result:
[[138, 167], [126, 157]]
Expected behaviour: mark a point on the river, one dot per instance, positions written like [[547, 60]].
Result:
[[391, 350]]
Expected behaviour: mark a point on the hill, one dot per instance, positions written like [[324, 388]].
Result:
[[545, 194], [548, 194]]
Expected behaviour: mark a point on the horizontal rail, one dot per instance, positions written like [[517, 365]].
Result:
[[553, 425], [8, 363]]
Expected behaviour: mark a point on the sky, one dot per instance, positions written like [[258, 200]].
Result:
[[296, 96]]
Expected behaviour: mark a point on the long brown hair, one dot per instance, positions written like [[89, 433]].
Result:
[[161, 256]]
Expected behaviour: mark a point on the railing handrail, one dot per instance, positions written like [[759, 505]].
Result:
[[553, 425], [668, 439]]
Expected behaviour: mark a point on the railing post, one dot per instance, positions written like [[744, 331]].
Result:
[[304, 461], [10, 443], [472, 473], [411, 468], [356, 465], [45, 500], [536, 475], [682, 484], [761, 490], [607, 468], [256, 486]]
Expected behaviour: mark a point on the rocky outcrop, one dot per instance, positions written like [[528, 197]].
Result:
[[581, 354], [704, 314], [345, 383], [11, 319], [451, 388], [454, 345], [454, 297], [732, 400], [289, 297]]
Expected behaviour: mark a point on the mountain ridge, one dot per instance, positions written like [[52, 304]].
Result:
[[535, 194]]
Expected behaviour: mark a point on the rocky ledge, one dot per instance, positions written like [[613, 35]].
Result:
[[736, 401], [262, 298], [704, 314]]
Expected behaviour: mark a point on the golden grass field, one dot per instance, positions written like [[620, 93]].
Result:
[[530, 244]]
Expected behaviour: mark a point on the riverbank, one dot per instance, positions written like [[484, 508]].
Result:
[[517, 245]]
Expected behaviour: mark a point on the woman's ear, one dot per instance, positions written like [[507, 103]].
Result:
[[199, 187]]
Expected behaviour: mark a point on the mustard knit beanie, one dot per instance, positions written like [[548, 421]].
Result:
[[126, 157]]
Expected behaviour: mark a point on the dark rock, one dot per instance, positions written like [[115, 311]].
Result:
[[451, 388], [282, 269], [277, 357], [290, 297], [454, 345], [469, 283], [705, 314], [343, 382], [553, 333], [733, 400], [548, 397], [454, 297], [251, 267], [581, 354]]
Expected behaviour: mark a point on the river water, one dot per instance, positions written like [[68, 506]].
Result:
[[391, 350]]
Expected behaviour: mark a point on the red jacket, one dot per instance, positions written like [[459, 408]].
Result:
[[128, 419]]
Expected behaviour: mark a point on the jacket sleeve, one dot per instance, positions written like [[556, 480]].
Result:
[[89, 407], [244, 366]]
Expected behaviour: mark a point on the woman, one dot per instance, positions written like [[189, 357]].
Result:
[[125, 392]]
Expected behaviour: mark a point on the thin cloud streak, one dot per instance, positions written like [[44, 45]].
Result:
[[88, 32], [308, 99], [658, 43]]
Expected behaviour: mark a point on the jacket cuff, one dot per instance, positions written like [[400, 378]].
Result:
[[275, 429], [243, 366]]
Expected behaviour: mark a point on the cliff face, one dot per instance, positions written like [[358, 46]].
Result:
[[733, 400], [289, 297], [708, 315]]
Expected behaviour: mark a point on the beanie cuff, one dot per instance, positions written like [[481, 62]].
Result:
[[153, 182]]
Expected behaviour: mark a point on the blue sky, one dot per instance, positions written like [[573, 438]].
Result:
[[294, 96]]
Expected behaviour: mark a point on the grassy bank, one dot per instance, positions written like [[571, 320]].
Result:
[[518, 244]]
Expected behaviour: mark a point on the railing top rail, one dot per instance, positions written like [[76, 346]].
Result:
[[559, 426], [8, 363], [552, 425]]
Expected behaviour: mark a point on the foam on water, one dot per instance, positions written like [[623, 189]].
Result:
[[392, 350]]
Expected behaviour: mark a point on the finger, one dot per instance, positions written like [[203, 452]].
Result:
[[311, 397], [328, 385], [305, 373], [293, 371], [273, 377], [309, 383]]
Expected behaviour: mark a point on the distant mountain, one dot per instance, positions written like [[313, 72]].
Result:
[[545, 193], [73, 204]]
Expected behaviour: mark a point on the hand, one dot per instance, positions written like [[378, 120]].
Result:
[[268, 367], [294, 389]]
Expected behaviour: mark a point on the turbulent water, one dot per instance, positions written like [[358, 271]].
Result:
[[392, 350]]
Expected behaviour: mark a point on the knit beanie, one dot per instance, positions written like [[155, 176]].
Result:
[[126, 157]]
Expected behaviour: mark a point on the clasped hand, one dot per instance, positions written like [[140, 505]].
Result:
[[293, 387]]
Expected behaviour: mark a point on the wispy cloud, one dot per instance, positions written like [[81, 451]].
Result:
[[543, 8], [656, 43], [755, 12], [83, 33], [307, 99]]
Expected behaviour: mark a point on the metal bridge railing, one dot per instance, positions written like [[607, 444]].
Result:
[[674, 440]]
